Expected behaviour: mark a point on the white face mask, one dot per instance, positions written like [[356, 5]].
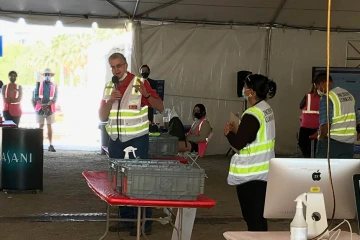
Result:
[[320, 93]]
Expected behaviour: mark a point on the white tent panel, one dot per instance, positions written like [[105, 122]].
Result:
[[200, 65]]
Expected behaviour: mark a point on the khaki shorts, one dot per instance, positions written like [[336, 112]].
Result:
[[49, 119]]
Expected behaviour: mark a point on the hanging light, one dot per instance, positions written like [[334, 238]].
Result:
[[59, 24], [21, 22], [94, 25], [129, 26], [21, 25]]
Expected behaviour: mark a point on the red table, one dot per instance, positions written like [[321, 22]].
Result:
[[99, 184]]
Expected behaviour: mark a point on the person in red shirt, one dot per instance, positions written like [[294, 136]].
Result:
[[131, 96]]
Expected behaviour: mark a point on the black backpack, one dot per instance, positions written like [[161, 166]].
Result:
[[176, 128]]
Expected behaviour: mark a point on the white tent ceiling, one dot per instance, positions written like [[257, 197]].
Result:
[[290, 13]]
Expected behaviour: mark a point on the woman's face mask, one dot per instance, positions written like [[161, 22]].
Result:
[[12, 79], [320, 91], [197, 115], [244, 95], [145, 75]]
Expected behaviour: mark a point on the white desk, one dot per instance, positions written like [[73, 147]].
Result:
[[276, 236]]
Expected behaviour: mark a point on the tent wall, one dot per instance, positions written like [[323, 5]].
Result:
[[200, 65]]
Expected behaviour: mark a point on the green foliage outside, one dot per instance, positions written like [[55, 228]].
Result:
[[65, 54]]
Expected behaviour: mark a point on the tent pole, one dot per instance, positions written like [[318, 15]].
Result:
[[268, 50]]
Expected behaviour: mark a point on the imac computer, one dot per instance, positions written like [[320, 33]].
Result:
[[290, 177]]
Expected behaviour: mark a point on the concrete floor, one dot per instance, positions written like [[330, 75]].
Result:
[[66, 192]]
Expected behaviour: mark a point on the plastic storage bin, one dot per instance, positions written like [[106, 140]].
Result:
[[115, 173], [164, 145], [172, 182]]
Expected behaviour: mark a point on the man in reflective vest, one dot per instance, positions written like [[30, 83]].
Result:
[[45, 97], [126, 110], [344, 120]]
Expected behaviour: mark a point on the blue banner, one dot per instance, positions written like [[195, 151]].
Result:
[[1, 47]]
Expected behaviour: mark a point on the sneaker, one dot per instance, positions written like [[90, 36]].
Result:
[[51, 148], [121, 227], [133, 232]]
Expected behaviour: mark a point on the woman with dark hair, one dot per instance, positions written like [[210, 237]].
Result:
[[12, 94], [198, 132], [254, 142]]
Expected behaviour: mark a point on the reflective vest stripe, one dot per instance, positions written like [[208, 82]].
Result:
[[129, 113], [343, 131], [262, 131], [308, 106], [344, 118], [314, 112], [257, 149], [134, 129], [336, 103], [17, 92], [17, 87], [251, 169]]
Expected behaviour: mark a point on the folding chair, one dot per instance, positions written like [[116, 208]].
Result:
[[202, 146]]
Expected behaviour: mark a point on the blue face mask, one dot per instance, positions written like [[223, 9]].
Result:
[[47, 78], [244, 96]]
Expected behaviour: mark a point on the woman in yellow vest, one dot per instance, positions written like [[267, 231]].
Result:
[[254, 143]]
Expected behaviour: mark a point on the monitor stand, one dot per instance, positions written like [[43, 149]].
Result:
[[316, 215]]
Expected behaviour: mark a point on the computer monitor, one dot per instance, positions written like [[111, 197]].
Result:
[[290, 177], [356, 179]]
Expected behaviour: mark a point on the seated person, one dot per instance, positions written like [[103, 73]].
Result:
[[199, 131]]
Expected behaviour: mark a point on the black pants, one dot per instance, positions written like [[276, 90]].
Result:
[[8, 117], [305, 142], [252, 200]]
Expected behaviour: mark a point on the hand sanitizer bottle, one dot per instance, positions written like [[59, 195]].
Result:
[[298, 226]]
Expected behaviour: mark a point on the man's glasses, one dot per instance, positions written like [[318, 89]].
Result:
[[118, 66]]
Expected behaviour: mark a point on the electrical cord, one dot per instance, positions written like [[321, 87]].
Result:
[[337, 233], [328, 118]]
